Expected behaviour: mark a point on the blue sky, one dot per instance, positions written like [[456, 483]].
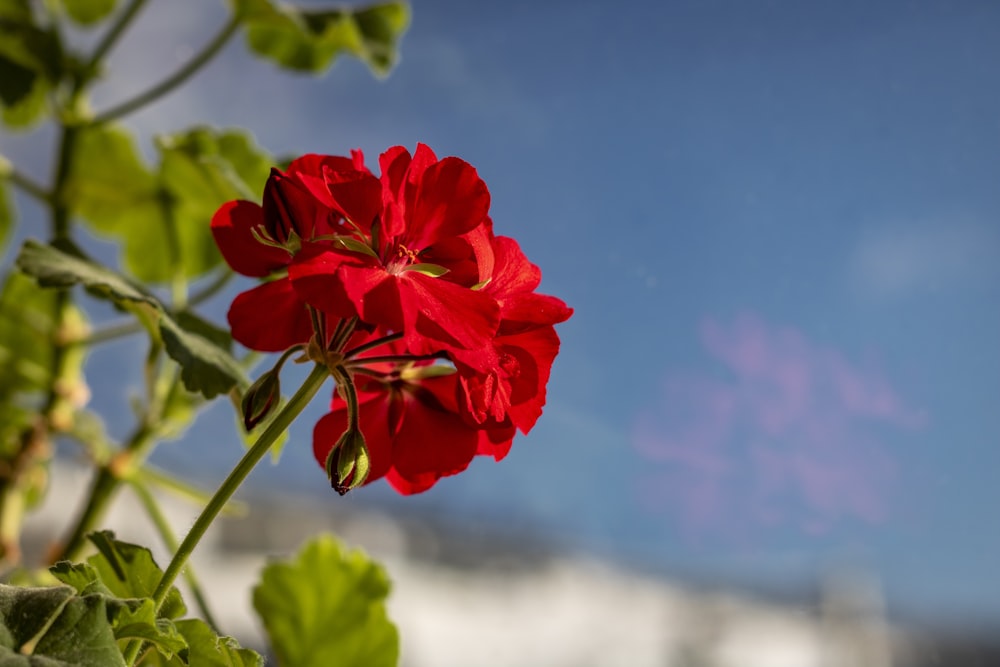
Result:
[[779, 225]]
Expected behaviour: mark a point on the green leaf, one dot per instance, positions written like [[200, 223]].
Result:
[[327, 607], [309, 41], [31, 62], [52, 627], [206, 367], [131, 618], [129, 571], [109, 184], [200, 170], [53, 267], [88, 12], [207, 649]]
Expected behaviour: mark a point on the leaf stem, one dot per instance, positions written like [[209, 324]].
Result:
[[211, 289], [253, 456], [177, 78], [111, 37], [26, 185]]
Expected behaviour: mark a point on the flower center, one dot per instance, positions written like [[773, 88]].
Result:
[[402, 259]]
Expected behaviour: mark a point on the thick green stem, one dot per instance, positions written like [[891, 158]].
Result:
[[170, 541], [180, 76], [281, 422]]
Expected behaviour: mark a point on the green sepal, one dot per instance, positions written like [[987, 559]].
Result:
[[432, 270], [354, 245]]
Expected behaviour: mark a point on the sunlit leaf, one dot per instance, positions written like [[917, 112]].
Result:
[[210, 650], [327, 607], [201, 169], [310, 40], [129, 571], [88, 12], [109, 184], [162, 218]]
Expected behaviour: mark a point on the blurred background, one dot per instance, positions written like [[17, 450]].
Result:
[[772, 431]]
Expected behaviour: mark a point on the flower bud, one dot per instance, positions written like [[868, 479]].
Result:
[[348, 463], [260, 399]]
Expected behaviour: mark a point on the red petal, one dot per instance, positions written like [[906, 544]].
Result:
[[270, 317], [432, 442], [438, 313], [524, 311], [232, 227], [496, 441], [314, 275], [512, 273], [394, 163], [408, 486], [449, 200]]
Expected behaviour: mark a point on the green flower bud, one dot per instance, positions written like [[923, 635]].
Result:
[[262, 396], [347, 464]]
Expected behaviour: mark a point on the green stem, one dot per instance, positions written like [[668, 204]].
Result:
[[110, 332], [170, 541], [249, 461], [111, 37], [28, 186], [180, 76], [211, 289]]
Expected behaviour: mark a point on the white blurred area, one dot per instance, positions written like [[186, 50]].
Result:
[[462, 602]]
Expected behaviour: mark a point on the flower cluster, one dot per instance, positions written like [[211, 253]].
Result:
[[428, 322]]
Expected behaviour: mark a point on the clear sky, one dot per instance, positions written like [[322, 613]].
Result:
[[779, 225]]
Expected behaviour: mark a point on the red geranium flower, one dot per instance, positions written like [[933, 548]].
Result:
[[512, 390], [412, 424], [409, 269], [315, 198]]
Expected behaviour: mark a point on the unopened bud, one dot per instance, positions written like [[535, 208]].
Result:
[[348, 463], [262, 396]]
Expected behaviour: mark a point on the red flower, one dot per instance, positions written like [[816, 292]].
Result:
[[316, 197], [385, 275], [412, 425], [512, 390], [409, 270]]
